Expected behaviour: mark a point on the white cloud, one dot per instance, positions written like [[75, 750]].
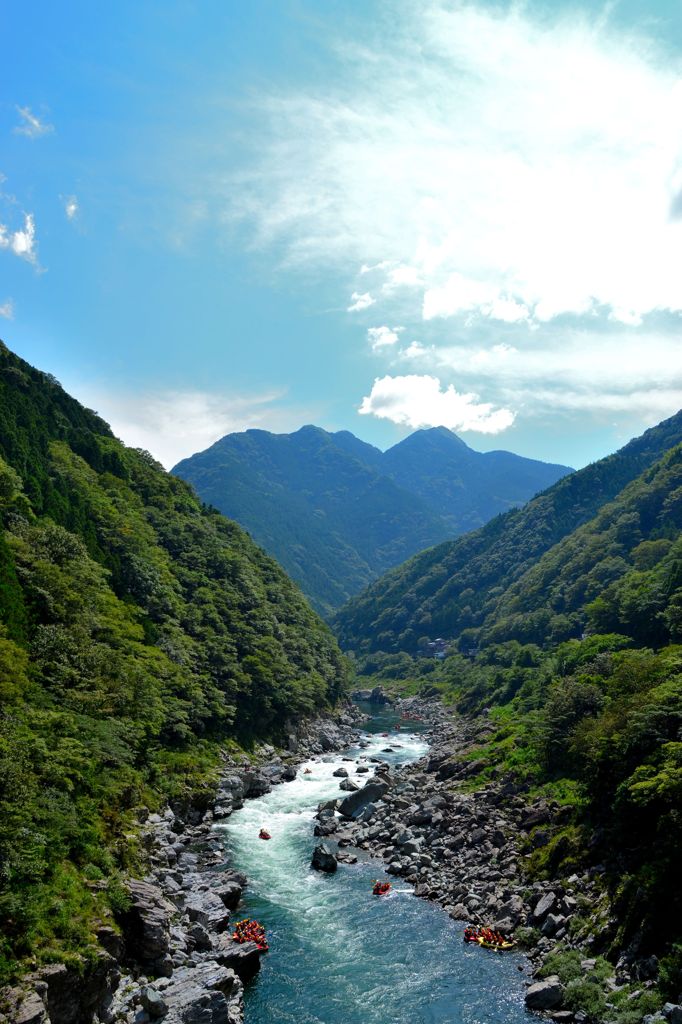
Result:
[[31, 125], [7, 310], [415, 350], [380, 337], [21, 242], [419, 401], [402, 277], [360, 301], [570, 369], [465, 295], [71, 207], [495, 163], [174, 424]]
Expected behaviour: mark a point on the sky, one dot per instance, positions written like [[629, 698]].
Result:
[[373, 216]]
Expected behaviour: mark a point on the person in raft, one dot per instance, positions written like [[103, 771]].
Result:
[[263, 834]]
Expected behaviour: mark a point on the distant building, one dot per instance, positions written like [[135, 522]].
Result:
[[437, 648]]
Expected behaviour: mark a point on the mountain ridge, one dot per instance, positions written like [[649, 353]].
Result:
[[454, 586], [336, 511]]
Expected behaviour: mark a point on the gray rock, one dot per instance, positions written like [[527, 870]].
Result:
[[153, 1002], [146, 924], [71, 995], [230, 893], [545, 995], [349, 786], [324, 859], [672, 1013], [243, 958], [29, 1009], [255, 784], [543, 906], [326, 827], [201, 994], [552, 924], [208, 909], [355, 803], [199, 936], [340, 773]]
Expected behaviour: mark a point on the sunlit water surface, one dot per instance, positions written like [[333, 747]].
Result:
[[339, 955]]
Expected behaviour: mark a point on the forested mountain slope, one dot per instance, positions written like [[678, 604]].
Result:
[[458, 585], [577, 671], [333, 521], [138, 632], [337, 512], [467, 486]]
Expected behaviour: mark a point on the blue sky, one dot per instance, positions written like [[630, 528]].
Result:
[[371, 216]]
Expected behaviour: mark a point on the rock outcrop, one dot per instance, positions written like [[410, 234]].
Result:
[[324, 858]]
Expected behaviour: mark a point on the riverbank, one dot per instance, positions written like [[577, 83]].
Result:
[[466, 851], [169, 954]]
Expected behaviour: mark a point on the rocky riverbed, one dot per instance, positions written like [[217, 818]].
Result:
[[466, 850], [170, 956]]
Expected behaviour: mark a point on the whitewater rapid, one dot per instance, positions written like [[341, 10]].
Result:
[[339, 955]]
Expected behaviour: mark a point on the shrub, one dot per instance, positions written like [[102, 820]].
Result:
[[586, 996], [564, 963]]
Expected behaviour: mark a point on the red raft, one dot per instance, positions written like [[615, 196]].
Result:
[[381, 888], [250, 931]]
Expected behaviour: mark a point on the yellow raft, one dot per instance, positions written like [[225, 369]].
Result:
[[499, 946]]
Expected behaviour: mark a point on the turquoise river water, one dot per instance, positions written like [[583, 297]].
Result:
[[339, 955]]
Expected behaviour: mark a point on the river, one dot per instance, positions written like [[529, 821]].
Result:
[[339, 955]]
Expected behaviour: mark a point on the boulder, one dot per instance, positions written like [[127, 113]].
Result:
[[222, 809], [545, 995], [243, 958], [153, 1002], [354, 803], [230, 893], [346, 858], [73, 995], [231, 792], [256, 784], [289, 773], [552, 924], [543, 906], [672, 1013], [326, 827], [349, 786], [208, 909], [146, 923], [324, 859], [25, 1008], [201, 994], [340, 773]]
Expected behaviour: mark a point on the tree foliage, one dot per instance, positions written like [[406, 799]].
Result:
[[138, 631]]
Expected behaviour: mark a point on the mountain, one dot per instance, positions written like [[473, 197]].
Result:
[[465, 486], [459, 585], [337, 512], [139, 633], [568, 615]]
